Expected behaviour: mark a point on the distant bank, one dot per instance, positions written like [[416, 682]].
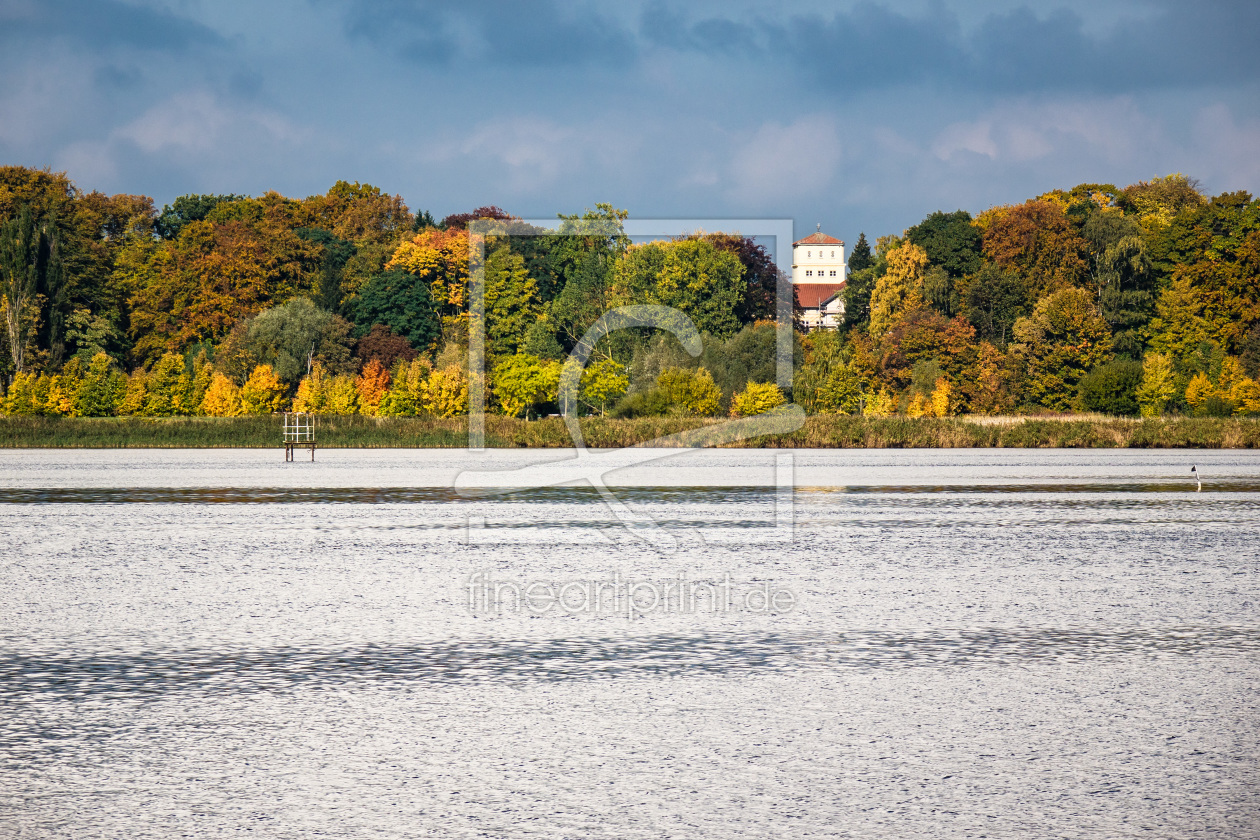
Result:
[[819, 432]]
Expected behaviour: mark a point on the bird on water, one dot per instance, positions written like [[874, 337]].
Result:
[[1194, 471]]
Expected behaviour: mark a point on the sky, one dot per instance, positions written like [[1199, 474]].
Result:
[[852, 116]]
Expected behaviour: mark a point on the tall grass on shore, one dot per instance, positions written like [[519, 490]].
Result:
[[822, 432]]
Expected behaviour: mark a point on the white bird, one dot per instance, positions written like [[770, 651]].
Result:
[[1194, 471]]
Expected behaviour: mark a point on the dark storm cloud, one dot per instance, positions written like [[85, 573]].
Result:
[[99, 24], [873, 46], [493, 32]]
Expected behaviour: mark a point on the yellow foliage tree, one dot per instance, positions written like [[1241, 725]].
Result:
[[341, 396], [263, 392], [311, 390], [1199, 390], [222, 398], [440, 258], [408, 390], [897, 292], [692, 392], [882, 404], [1158, 384], [940, 400], [757, 398], [1245, 395], [136, 394], [446, 394]]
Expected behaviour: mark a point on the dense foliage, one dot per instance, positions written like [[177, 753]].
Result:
[[1142, 300]]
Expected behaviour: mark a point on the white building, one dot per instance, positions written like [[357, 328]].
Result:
[[818, 276]]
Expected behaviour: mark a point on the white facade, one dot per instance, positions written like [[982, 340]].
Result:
[[818, 262], [826, 317]]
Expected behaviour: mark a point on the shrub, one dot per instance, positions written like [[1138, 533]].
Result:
[[1112, 388], [651, 403], [757, 398], [690, 392]]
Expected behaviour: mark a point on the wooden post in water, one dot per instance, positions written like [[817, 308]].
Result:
[[299, 431]]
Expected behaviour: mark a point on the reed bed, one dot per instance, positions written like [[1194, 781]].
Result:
[[822, 432]]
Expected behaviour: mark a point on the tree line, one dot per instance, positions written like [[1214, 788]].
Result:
[[1144, 299]]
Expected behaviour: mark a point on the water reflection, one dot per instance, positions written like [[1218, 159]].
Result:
[[158, 673]]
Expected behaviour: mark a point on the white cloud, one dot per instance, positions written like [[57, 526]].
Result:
[[192, 129], [1019, 132], [786, 162]]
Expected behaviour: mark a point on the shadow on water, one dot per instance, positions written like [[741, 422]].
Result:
[[156, 674], [553, 495]]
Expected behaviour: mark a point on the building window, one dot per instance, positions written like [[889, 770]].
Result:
[[833, 274], [809, 253], [833, 255], [809, 274]]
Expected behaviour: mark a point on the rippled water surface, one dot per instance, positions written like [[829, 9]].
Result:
[[965, 644]]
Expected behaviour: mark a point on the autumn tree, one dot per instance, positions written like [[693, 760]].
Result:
[[384, 346], [691, 392], [897, 291], [1060, 342], [263, 392], [222, 398], [1037, 241], [372, 385], [757, 398]]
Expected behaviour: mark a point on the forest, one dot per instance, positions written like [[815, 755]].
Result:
[[1141, 300]]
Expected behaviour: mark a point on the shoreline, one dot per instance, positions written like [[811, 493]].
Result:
[[818, 432]]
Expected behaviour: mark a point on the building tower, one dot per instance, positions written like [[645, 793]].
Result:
[[818, 275]]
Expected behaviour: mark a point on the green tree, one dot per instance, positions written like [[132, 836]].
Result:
[[401, 301], [860, 257], [23, 249], [188, 208], [289, 339], [693, 276], [1125, 298], [951, 241], [337, 252], [996, 299]]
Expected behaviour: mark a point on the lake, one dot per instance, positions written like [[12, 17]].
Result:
[[720, 643]]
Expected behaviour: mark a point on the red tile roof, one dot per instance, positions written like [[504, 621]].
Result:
[[819, 238], [814, 295]]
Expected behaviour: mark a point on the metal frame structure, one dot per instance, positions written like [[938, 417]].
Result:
[[299, 431]]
